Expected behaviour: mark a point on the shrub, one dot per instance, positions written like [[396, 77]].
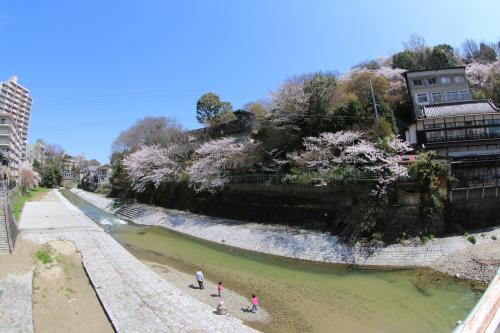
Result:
[[472, 239], [493, 237]]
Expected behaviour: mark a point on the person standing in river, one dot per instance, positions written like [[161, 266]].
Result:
[[199, 278]]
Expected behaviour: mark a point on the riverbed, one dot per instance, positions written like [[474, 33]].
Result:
[[303, 296]]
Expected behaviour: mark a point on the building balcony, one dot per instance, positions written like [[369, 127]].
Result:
[[466, 137]]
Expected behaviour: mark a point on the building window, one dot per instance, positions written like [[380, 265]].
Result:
[[459, 79], [451, 96], [2, 121], [418, 83], [445, 79], [464, 95], [432, 80], [437, 97], [422, 99]]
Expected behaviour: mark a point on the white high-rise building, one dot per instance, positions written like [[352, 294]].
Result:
[[15, 100]]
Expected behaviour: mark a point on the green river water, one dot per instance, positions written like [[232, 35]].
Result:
[[304, 296]]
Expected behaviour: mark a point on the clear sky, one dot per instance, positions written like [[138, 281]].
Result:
[[94, 67]]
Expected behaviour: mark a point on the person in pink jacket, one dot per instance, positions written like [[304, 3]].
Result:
[[255, 303]]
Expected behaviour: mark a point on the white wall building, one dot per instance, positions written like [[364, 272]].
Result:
[[15, 100], [10, 145]]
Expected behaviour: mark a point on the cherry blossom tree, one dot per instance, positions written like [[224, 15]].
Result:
[[348, 148], [214, 158], [289, 101], [29, 177], [150, 165]]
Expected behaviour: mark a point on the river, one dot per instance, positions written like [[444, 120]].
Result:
[[304, 296]]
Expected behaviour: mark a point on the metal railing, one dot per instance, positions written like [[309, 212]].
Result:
[[470, 136], [10, 223], [277, 178]]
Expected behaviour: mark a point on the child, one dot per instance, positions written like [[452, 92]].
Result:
[[220, 288], [255, 303]]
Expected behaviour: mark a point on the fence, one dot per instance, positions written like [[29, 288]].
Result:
[[278, 178], [10, 223]]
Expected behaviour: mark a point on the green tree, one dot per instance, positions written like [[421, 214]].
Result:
[[51, 175], [427, 171], [404, 60], [36, 165], [438, 58], [486, 53], [320, 88], [209, 106]]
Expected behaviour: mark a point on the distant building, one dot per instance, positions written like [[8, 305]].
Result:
[[242, 126], [36, 152], [436, 86], [103, 174], [10, 145], [460, 130], [15, 100]]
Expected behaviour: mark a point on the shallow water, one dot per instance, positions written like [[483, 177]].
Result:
[[304, 296]]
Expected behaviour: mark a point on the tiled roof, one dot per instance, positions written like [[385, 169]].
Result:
[[457, 109]]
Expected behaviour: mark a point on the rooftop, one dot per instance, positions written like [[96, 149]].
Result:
[[431, 69], [458, 109]]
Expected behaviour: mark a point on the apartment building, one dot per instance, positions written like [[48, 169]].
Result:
[[10, 145], [15, 100], [460, 130]]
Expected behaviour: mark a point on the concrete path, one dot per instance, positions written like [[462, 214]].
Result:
[[16, 314], [135, 298]]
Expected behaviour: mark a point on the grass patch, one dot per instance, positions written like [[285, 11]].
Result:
[[472, 239], [18, 200], [44, 256]]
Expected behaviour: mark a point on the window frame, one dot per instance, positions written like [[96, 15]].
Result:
[[432, 83], [441, 79], [451, 92], [422, 94], [418, 80]]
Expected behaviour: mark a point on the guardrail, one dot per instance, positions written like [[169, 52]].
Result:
[[485, 316]]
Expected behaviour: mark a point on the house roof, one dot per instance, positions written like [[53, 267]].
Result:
[[457, 109], [431, 69]]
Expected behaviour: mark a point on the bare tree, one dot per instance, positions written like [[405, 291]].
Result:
[[159, 131], [470, 49], [415, 43]]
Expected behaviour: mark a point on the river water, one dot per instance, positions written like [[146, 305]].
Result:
[[303, 296]]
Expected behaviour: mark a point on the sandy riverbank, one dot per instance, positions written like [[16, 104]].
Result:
[[452, 255]]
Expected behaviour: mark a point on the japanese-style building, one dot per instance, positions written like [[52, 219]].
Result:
[[460, 130]]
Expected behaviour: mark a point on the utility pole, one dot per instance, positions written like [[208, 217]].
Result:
[[373, 99]]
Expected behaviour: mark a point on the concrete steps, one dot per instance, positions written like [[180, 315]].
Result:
[[129, 212], [4, 240]]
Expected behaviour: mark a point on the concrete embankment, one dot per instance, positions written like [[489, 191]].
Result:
[[319, 246], [135, 298]]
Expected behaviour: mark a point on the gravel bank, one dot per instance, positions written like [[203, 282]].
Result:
[[452, 255]]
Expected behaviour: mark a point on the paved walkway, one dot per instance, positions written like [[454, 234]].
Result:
[[16, 314], [135, 298]]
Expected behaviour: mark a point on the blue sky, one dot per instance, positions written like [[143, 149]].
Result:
[[95, 67]]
